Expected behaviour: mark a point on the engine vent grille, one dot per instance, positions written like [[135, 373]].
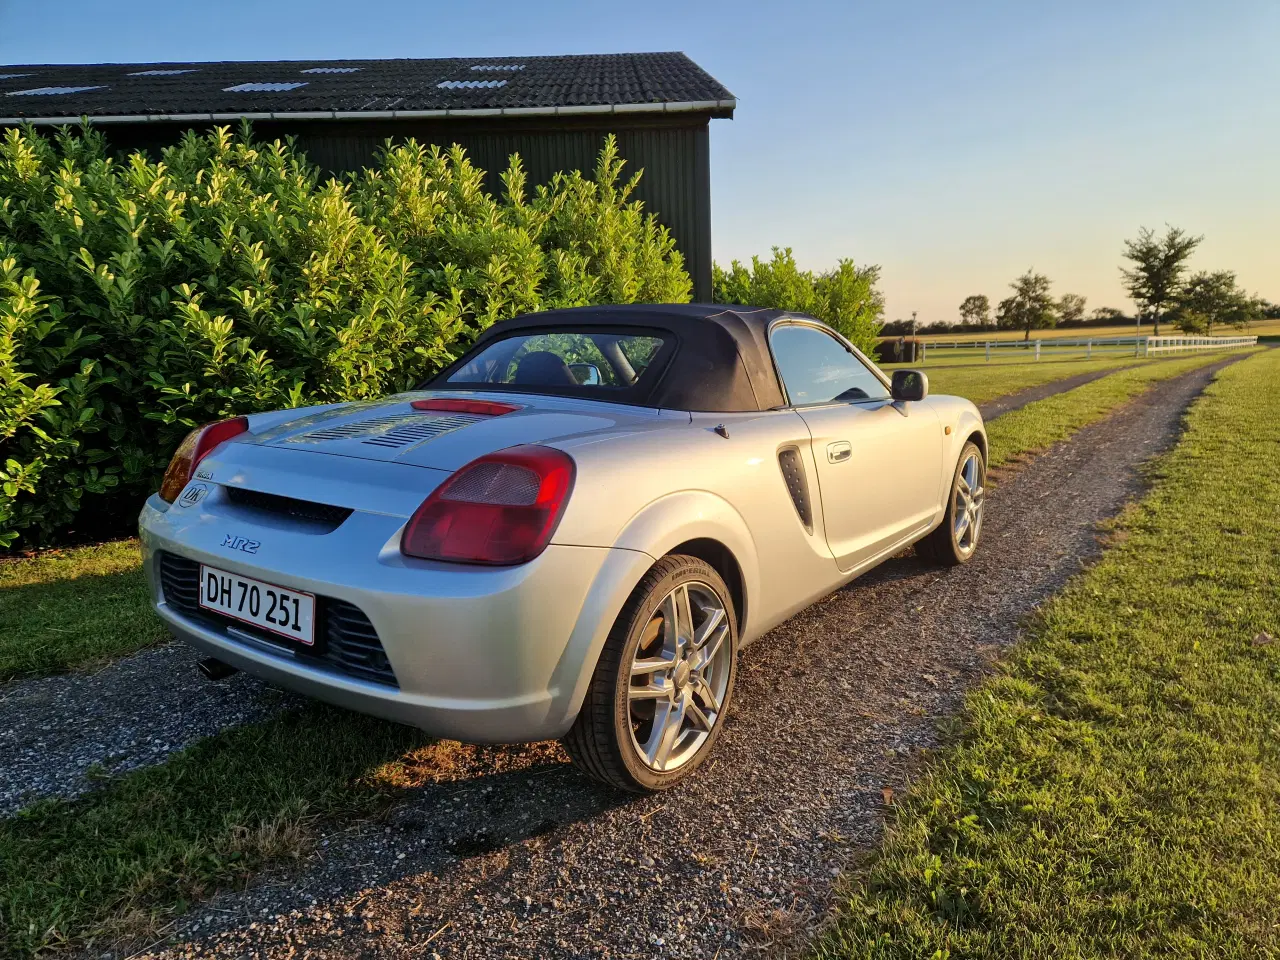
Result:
[[359, 428], [423, 429], [351, 644], [324, 513], [792, 467], [394, 430]]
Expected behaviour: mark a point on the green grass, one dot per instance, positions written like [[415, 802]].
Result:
[[1043, 423], [1114, 791], [73, 608]]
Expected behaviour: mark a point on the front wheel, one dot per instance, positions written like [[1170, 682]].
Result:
[[660, 690], [956, 538]]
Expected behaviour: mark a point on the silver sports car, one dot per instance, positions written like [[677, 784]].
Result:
[[570, 532]]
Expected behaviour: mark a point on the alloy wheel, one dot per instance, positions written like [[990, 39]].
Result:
[[970, 495], [679, 676]]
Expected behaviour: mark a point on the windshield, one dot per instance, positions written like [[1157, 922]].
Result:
[[576, 363]]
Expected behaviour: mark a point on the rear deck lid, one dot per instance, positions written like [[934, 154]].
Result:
[[392, 430]]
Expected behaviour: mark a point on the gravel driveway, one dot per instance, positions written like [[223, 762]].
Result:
[[524, 858], [57, 732]]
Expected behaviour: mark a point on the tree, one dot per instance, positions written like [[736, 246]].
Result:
[[1030, 308], [1103, 315], [976, 309], [1214, 298], [1071, 309], [1155, 281]]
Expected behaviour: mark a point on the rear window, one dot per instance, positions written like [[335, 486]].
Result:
[[571, 362]]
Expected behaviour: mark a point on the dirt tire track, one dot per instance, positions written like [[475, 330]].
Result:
[[832, 707], [1020, 398]]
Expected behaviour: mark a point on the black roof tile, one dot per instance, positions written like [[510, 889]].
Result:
[[544, 84]]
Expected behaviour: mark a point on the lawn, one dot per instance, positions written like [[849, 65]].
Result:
[[1114, 790], [126, 857], [75, 607]]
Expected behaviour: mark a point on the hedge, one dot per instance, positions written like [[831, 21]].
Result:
[[845, 297], [139, 297]]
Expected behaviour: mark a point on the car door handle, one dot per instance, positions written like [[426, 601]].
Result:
[[839, 451]]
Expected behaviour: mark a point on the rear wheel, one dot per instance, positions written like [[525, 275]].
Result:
[[956, 538], [664, 680]]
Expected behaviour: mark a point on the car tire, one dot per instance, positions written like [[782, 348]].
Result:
[[614, 739], [950, 544]]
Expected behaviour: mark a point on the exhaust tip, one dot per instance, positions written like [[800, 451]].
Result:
[[213, 669]]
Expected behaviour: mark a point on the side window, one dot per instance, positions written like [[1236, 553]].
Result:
[[816, 368]]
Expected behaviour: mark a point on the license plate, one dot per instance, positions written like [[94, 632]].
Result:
[[289, 613]]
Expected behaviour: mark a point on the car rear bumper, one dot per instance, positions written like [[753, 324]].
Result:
[[478, 654]]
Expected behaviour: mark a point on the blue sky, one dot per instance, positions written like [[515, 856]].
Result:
[[954, 144]]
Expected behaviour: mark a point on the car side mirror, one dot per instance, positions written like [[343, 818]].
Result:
[[587, 374], [909, 385]]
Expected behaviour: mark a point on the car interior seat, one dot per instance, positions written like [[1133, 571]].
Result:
[[543, 368]]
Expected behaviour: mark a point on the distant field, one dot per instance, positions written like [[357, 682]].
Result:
[[1262, 329], [954, 351], [965, 356], [981, 383]]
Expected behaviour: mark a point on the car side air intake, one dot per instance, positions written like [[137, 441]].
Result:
[[797, 484]]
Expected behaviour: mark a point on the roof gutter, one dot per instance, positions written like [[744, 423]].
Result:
[[720, 108]]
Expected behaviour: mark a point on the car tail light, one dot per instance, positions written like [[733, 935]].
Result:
[[486, 408], [199, 443], [500, 509]]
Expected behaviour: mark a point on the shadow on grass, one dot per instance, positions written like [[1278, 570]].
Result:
[[440, 846], [121, 861], [52, 625]]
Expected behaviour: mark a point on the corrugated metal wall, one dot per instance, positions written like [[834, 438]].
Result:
[[672, 151]]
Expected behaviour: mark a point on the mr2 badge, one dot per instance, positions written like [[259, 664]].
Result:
[[241, 543], [194, 493]]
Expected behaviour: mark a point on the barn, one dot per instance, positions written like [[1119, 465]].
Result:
[[553, 111]]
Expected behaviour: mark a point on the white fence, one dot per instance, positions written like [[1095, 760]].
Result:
[[1181, 344], [1089, 346]]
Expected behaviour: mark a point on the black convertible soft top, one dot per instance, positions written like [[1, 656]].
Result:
[[721, 362]]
